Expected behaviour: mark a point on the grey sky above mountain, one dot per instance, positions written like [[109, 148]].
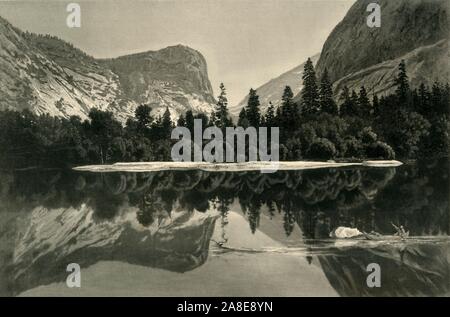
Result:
[[245, 42]]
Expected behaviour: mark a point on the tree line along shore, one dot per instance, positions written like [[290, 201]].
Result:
[[408, 124]]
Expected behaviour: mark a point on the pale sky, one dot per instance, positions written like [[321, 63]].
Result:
[[245, 42]]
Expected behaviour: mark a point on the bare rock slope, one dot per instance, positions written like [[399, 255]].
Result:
[[417, 31], [47, 75]]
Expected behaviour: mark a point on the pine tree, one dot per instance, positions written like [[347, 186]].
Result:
[[310, 94], [364, 106], [287, 96], [243, 120], [326, 101], [166, 123], [252, 111], [402, 83], [181, 121], [270, 116], [220, 117], [288, 116]]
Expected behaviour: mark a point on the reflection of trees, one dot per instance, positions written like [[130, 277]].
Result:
[[414, 270], [418, 198], [316, 200], [152, 208], [308, 197]]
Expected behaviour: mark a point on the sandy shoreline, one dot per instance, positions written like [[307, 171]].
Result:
[[226, 167]]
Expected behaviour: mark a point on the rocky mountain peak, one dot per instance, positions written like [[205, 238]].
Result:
[[405, 26], [175, 71], [48, 75]]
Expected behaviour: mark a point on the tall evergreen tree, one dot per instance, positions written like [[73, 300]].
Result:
[[364, 106], [270, 116], [326, 101], [402, 83], [309, 94], [287, 96], [181, 121], [243, 120], [289, 114], [166, 123], [252, 111], [221, 116]]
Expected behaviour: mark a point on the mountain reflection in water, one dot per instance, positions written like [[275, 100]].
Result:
[[201, 233]]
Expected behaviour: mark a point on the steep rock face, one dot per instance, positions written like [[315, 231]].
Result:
[[426, 64], [47, 75], [272, 91], [174, 77], [405, 26]]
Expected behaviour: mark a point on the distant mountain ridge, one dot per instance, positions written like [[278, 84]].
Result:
[[48, 75], [273, 89]]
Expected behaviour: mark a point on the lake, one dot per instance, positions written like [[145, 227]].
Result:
[[198, 233]]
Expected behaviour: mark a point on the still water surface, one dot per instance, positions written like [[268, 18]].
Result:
[[197, 233]]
